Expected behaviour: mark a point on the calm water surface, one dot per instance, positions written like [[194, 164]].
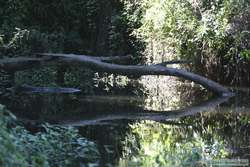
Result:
[[180, 127]]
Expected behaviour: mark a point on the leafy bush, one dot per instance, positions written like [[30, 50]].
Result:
[[212, 33], [54, 146], [90, 27]]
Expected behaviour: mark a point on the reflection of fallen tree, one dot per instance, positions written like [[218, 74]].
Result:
[[102, 64], [112, 100], [159, 116]]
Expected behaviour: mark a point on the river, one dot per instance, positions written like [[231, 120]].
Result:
[[150, 122]]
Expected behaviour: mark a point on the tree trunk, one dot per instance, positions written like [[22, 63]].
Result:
[[140, 70], [100, 64]]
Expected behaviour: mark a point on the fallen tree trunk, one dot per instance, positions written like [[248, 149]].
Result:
[[98, 64], [139, 70], [23, 63]]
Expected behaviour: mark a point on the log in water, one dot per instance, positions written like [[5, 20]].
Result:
[[32, 89]]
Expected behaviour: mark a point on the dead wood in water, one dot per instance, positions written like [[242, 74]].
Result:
[[139, 70], [101, 64]]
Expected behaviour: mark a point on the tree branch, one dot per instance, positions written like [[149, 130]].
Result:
[[97, 64], [140, 70]]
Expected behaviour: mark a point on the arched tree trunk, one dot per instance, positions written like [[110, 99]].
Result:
[[105, 64], [140, 70]]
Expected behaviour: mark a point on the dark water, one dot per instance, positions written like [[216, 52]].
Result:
[[185, 128]]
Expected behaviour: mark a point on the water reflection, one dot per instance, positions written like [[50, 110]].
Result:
[[189, 140], [168, 93], [169, 124], [218, 135], [141, 114]]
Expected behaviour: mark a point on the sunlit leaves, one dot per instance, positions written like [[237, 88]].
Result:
[[201, 30], [245, 54], [54, 146]]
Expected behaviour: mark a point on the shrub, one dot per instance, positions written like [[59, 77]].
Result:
[[212, 33], [53, 146]]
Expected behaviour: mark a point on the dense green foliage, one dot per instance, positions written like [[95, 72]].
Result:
[[97, 28], [212, 33], [53, 146], [89, 27]]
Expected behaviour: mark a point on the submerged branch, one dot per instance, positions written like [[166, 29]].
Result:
[[97, 64]]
